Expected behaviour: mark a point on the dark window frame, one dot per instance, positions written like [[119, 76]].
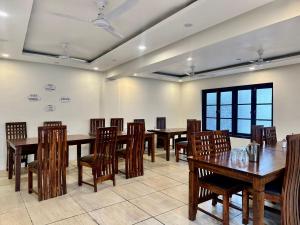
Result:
[[235, 89]]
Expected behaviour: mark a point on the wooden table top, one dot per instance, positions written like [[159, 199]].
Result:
[[169, 130], [272, 160]]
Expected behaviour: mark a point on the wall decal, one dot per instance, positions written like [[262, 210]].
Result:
[[50, 108], [65, 99], [34, 98], [50, 87]]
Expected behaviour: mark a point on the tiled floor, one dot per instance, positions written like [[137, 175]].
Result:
[[159, 197]]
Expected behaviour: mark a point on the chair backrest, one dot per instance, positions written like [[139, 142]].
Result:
[[117, 122], [16, 130], [270, 135], [105, 151], [139, 120], [257, 132], [96, 123], [290, 212], [221, 141], [192, 127], [52, 123], [51, 155], [137, 132], [161, 122]]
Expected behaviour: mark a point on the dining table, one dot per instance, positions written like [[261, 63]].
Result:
[[19, 146], [166, 135], [235, 164]]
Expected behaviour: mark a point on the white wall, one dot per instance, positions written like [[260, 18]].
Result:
[[286, 88]]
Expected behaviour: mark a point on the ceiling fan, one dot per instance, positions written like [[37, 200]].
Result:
[[103, 20], [260, 61], [192, 71], [66, 56]]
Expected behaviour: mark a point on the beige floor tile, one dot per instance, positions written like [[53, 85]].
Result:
[[78, 220], [90, 200], [10, 201], [180, 193], [16, 216], [156, 203], [119, 214], [52, 210], [160, 182], [150, 221], [133, 190], [180, 217]]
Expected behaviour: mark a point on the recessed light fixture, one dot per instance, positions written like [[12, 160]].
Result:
[[142, 47], [135, 74], [188, 25], [3, 14], [5, 55], [96, 68], [189, 59], [180, 80], [252, 68]]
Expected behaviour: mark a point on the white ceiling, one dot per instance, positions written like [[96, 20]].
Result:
[[45, 32], [278, 39]]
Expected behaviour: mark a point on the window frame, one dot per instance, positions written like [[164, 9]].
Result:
[[234, 90]]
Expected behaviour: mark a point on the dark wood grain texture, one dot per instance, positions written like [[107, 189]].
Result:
[[52, 123], [117, 122], [96, 123], [270, 135]]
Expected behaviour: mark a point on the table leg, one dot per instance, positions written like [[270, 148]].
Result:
[[258, 202], [18, 168], [193, 192], [78, 154], [10, 162], [151, 146], [167, 147]]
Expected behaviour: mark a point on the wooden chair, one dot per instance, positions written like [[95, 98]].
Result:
[[160, 124], [270, 135], [211, 185], [52, 123], [117, 122], [133, 154], [192, 126], [146, 140], [286, 190], [95, 124], [50, 165], [102, 162], [221, 141], [16, 130], [257, 134]]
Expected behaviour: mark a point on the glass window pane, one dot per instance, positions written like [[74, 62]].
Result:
[[244, 126], [211, 98], [265, 123], [264, 112], [244, 111], [226, 97], [211, 111], [226, 124], [211, 124], [264, 95], [226, 111], [244, 97]]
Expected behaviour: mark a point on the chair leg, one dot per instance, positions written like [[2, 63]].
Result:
[[80, 174], [7, 158], [214, 200], [114, 180], [30, 181], [226, 210], [26, 160], [10, 164], [177, 149], [95, 180], [117, 164], [245, 207]]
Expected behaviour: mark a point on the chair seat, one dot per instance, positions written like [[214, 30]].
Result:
[[87, 159], [274, 187]]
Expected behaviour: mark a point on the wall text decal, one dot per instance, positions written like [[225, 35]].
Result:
[[65, 99], [50, 87], [34, 98], [50, 108]]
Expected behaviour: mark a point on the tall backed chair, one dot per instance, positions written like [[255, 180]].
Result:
[[270, 135], [117, 122], [133, 154], [16, 130], [50, 165], [192, 126], [139, 120], [95, 124], [257, 132], [102, 162], [286, 190], [160, 124], [52, 123], [211, 185]]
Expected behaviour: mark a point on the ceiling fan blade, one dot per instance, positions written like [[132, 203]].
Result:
[[78, 60], [121, 9], [112, 30], [69, 17], [187, 73]]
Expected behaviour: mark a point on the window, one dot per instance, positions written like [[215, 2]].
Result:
[[237, 108]]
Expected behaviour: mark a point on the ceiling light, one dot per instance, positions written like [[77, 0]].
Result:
[[5, 55], [142, 47], [96, 68], [189, 59], [180, 80], [135, 74], [252, 68], [3, 14]]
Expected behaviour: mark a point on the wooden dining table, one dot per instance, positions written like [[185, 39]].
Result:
[[166, 135], [19, 146], [271, 166]]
